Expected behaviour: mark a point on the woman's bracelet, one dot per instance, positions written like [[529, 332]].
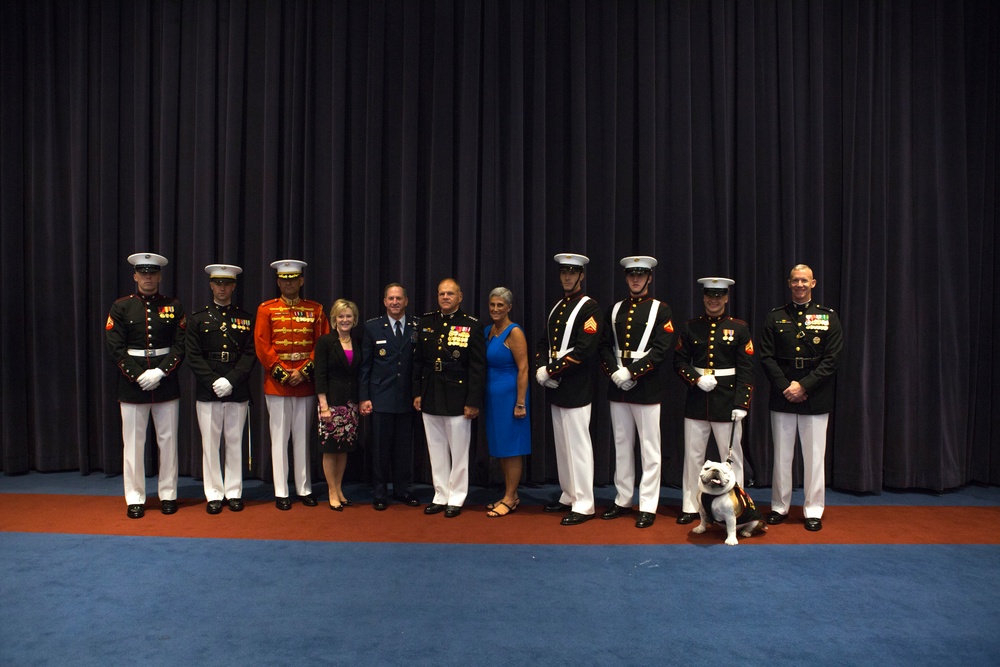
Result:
[[519, 405]]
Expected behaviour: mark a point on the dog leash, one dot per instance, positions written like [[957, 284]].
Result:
[[747, 461], [732, 432]]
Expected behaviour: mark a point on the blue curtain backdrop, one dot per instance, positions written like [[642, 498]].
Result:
[[411, 140]]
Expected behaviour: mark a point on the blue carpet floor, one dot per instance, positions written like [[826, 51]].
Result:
[[110, 600], [86, 600]]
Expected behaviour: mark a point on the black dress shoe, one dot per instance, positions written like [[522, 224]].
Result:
[[283, 503], [168, 506], [136, 511], [575, 518], [380, 503], [557, 507], [434, 508], [214, 507], [451, 511], [814, 524], [309, 500], [645, 520], [615, 511], [235, 504], [686, 517], [408, 500], [348, 503], [337, 508], [774, 518]]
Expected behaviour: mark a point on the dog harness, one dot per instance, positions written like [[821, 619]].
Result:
[[743, 505]]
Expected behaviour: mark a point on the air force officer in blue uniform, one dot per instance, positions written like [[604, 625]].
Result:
[[385, 390]]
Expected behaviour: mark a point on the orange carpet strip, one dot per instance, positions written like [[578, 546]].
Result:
[[105, 515]]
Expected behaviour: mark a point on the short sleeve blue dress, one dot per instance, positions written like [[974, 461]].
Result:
[[505, 435]]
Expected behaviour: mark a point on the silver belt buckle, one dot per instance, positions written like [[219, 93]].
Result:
[[224, 356], [800, 363], [437, 365]]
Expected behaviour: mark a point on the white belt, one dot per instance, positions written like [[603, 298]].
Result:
[[632, 354], [143, 352], [715, 371]]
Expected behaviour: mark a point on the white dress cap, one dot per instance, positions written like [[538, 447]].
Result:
[[223, 271], [638, 263], [147, 262], [289, 268], [570, 259], [716, 286]]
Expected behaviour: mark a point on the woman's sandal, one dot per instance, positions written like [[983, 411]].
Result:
[[510, 509]]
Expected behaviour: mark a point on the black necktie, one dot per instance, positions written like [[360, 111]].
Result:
[[399, 332]]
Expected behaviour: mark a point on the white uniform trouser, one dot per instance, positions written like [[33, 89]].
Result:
[[574, 457], [696, 433], [626, 420], [135, 419], [290, 416], [812, 434], [448, 441], [217, 419]]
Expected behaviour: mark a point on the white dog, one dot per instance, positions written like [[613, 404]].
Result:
[[723, 500]]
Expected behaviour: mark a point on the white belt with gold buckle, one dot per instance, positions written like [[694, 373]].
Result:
[[716, 371]]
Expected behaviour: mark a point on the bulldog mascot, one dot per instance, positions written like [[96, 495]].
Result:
[[723, 501]]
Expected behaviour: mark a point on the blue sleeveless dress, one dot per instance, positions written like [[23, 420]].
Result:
[[505, 435]]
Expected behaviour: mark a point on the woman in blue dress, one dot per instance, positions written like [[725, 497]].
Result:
[[508, 429]]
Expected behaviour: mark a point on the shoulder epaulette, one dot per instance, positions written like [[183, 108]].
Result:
[[739, 321], [374, 319], [826, 308]]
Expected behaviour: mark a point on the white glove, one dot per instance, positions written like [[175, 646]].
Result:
[[707, 382], [150, 379], [542, 375], [627, 384], [621, 376], [739, 414], [222, 387]]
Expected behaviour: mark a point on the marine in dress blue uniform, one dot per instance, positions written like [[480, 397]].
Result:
[[385, 388], [714, 358], [800, 353], [144, 333], [566, 356], [449, 375], [220, 353], [638, 337]]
